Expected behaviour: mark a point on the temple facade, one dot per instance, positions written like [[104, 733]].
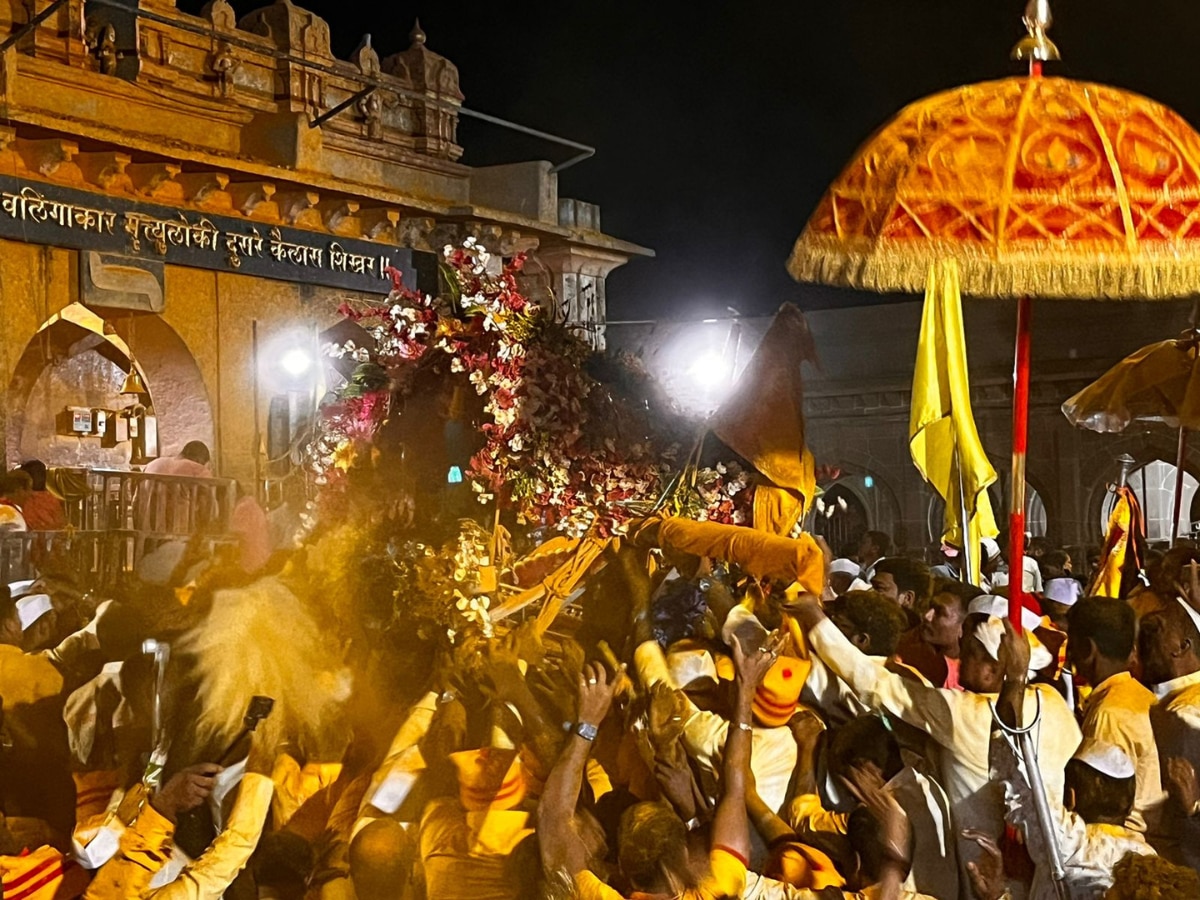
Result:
[[857, 411], [188, 200]]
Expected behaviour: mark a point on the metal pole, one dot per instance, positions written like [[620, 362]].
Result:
[[1020, 441], [1180, 455], [258, 472], [1037, 787], [965, 571], [1126, 462]]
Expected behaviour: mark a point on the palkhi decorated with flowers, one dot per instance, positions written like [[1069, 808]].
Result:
[[555, 449]]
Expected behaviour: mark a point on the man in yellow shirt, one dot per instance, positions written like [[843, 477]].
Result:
[[1100, 644], [1169, 649], [146, 846]]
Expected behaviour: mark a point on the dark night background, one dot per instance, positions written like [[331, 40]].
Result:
[[718, 126]]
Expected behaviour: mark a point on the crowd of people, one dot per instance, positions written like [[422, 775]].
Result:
[[745, 738]]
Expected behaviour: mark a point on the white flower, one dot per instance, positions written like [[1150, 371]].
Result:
[[517, 443], [480, 382], [469, 243], [456, 365], [362, 354], [448, 251]]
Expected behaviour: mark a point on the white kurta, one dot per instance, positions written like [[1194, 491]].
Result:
[[1088, 852], [401, 769], [960, 723], [773, 750]]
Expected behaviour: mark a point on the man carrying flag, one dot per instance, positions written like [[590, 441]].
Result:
[[944, 443]]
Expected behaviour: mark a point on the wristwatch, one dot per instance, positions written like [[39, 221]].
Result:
[[586, 730]]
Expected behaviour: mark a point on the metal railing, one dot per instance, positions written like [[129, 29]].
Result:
[[118, 519]]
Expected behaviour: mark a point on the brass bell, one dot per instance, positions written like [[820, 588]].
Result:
[[133, 383]]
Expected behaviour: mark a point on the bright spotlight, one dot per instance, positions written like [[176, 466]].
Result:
[[296, 362], [710, 371]]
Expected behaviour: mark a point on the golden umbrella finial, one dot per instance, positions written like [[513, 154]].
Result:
[[1037, 45]]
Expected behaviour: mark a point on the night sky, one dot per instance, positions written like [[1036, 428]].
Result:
[[718, 126]]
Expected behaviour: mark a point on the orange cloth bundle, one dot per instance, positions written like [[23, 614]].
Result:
[[756, 552]]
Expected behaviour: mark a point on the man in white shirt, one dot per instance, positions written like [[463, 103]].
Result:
[[959, 722], [774, 748]]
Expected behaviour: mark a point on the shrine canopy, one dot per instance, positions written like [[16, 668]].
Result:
[[1037, 187]]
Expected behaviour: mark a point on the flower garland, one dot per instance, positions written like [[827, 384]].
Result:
[[549, 450]]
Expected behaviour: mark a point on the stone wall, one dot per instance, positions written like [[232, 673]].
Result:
[[197, 358], [857, 403]]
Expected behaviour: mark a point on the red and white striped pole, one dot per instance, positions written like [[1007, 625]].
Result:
[[1020, 444]]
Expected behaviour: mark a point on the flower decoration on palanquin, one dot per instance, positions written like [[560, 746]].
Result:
[[550, 450]]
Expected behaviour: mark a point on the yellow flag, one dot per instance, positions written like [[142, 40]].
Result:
[[941, 433], [1121, 559]]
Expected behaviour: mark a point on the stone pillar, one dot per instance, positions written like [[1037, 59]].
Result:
[[575, 277]]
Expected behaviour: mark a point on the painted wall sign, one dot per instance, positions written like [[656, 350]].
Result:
[[63, 217]]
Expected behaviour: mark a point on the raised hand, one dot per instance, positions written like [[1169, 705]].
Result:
[[751, 666], [186, 790], [1182, 784], [1014, 653], [526, 642], [987, 875], [502, 666], [666, 715], [866, 783], [595, 694], [555, 690]]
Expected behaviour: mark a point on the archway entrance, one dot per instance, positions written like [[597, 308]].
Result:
[[79, 360], [1154, 486], [840, 517]]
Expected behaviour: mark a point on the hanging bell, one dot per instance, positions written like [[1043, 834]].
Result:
[[133, 383]]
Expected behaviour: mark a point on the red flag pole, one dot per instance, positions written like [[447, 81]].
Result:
[[1020, 441]]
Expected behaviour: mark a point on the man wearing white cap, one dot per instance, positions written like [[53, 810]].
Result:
[[959, 722], [1101, 632], [1100, 787], [1091, 839], [35, 779], [25, 678], [843, 577], [1032, 575], [36, 612]]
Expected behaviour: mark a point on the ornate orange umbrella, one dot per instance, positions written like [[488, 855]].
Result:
[[1035, 187]]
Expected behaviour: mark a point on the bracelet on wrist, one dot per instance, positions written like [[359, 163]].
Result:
[[585, 730]]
